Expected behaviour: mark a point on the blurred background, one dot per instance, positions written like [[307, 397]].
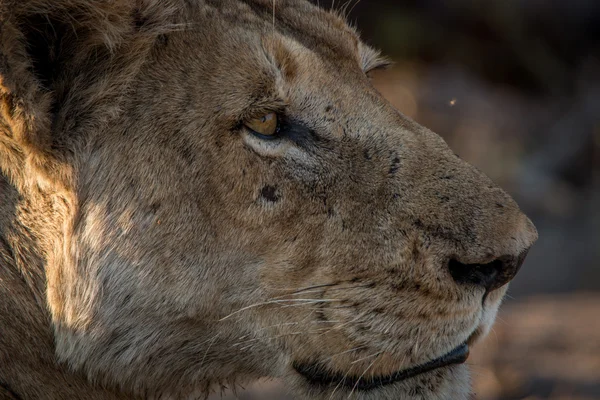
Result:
[[513, 86]]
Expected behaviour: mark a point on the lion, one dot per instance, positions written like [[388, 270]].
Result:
[[200, 193]]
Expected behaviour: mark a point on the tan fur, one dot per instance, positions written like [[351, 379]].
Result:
[[150, 246]]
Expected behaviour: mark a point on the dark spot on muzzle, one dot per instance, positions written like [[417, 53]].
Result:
[[269, 193], [395, 166]]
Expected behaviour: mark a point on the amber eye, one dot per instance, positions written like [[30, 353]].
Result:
[[267, 125]]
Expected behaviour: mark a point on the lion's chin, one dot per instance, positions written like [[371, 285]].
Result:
[[446, 383], [318, 375], [442, 378]]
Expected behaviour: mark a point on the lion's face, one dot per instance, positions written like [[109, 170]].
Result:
[[350, 251]]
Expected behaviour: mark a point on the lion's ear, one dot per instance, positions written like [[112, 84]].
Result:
[[43, 46]]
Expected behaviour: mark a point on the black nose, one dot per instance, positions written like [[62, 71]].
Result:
[[491, 276]]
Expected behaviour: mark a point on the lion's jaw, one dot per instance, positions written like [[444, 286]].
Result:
[[197, 253]]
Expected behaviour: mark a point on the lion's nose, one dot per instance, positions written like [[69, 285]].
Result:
[[492, 275]]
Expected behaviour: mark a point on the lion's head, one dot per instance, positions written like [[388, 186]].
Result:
[[231, 198]]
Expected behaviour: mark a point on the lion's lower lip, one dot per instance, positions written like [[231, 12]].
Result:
[[317, 374]]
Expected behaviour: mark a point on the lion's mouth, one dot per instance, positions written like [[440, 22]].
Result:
[[318, 375]]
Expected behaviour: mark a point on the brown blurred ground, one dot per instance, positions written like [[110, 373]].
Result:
[[514, 88], [542, 348]]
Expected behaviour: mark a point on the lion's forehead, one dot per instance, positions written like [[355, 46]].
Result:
[[323, 32]]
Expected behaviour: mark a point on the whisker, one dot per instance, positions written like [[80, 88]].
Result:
[[214, 339], [360, 377], [367, 357], [279, 336], [307, 301], [320, 291], [358, 317], [495, 335], [338, 385], [277, 325], [346, 351], [296, 290], [417, 340], [312, 302]]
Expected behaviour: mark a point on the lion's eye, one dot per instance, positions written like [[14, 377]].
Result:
[[267, 125]]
